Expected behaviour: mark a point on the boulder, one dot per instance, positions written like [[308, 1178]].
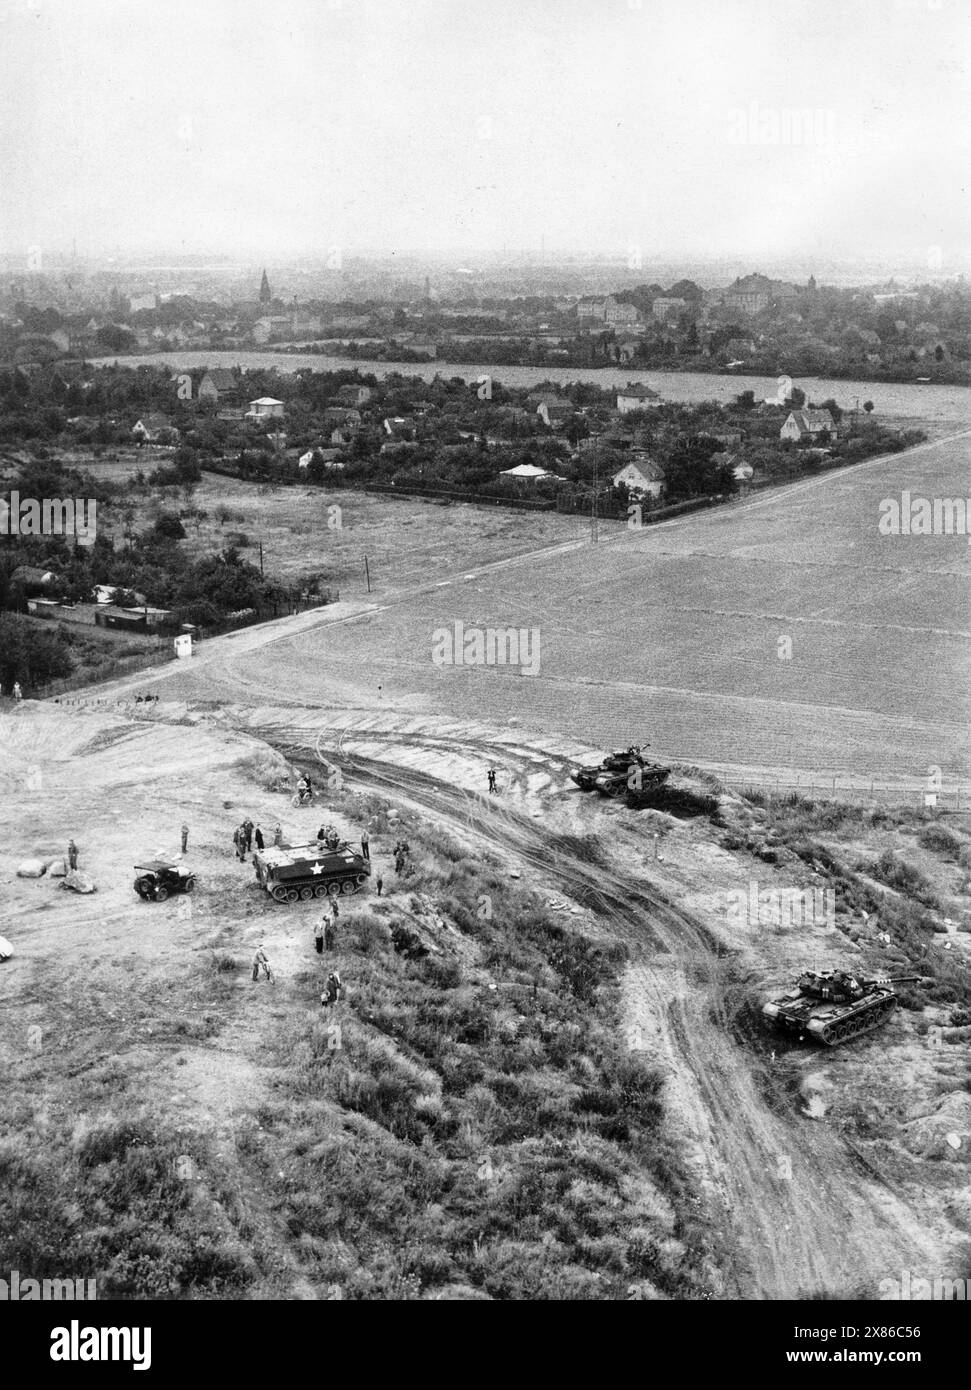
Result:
[[81, 883], [56, 868], [31, 868], [6, 950]]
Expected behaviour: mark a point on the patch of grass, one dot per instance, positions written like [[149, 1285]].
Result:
[[904, 878], [146, 1211], [497, 1135], [939, 840]]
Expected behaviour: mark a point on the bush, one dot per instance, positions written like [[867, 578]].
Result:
[[168, 527], [939, 840], [30, 655], [904, 878]]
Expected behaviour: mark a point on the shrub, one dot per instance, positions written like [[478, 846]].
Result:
[[939, 840], [904, 878]]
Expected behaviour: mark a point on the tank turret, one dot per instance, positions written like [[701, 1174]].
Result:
[[834, 1006]]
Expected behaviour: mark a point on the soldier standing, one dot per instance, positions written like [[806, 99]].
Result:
[[72, 855], [185, 838], [332, 990]]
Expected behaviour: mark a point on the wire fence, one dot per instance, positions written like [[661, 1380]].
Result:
[[950, 799]]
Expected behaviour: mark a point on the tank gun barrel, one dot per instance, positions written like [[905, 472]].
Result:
[[894, 979]]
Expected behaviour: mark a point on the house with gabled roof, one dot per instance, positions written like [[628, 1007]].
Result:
[[219, 384], [636, 396], [642, 476], [154, 428], [807, 424]]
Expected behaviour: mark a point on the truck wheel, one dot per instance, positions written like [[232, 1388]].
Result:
[[320, 891], [190, 883], [161, 893], [333, 889], [306, 894], [280, 894], [293, 895], [348, 886]]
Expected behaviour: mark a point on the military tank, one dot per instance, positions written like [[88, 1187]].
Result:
[[622, 770], [833, 1006]]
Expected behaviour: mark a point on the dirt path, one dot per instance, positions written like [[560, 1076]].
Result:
[[798, 1210]]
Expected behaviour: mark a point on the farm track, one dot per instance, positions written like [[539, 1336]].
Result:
[[797, 1210]]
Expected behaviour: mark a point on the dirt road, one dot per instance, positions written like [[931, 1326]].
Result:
[[796, 1207]]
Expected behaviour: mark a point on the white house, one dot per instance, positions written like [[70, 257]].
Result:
[[153, 428], [644, 478], [636, 397], [803, 424], [328, 457], [526, 472], [265, 408]]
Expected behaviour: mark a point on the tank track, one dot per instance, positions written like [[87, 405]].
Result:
[[845, 1029]]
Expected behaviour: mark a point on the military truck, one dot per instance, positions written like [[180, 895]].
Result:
[[297, 873], [160, 877]]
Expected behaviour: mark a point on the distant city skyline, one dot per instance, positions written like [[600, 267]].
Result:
[[679, 131]]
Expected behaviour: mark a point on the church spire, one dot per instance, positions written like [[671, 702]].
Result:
[[265, 294]]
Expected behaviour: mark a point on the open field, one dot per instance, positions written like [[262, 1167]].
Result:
[[316, 530], [673, 634], [407, 542]]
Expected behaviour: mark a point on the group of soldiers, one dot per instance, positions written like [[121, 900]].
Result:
[[325, 939], [325, 930], [247, 834]]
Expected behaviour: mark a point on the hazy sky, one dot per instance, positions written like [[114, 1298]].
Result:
[[287, 126]]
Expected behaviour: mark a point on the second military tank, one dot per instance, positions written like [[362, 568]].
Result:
[[833, 1006], [622, 770]]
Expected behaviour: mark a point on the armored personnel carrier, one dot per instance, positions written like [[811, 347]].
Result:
[[302, 872], [834, 1006]]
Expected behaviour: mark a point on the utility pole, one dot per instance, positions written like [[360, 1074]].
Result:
[[594, 527], [261, 559], [367, 574]]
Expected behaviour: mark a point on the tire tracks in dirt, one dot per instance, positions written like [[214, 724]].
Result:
[[800, 1216]]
